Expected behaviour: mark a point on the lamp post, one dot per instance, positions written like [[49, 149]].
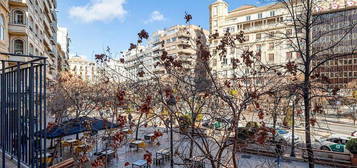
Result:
[[292, 154], [171, 102]]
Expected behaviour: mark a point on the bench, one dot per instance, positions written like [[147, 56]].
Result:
[[64, 164]]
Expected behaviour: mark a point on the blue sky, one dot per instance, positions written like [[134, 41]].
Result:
[[95, 24]]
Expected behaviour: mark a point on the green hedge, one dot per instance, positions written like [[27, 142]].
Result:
[[352, 145]]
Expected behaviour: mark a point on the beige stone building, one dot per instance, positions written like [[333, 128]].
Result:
[[262, 26], [63, 41], [33, 29], [136, 61], [83, 68], [4, 20], [177, 42]]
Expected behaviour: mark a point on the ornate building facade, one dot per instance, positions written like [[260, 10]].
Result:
[[4, 20]]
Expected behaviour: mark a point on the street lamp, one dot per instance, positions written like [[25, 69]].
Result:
[[171, 102], [292, 154]]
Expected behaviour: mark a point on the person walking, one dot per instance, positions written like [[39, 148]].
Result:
[[130, 117], [279, 152]]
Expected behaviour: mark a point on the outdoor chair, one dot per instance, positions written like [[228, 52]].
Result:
[[48, 160], [132, 146], [142, 145], [159, 160]]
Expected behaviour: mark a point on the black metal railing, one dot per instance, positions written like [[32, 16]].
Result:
[[23, 109]]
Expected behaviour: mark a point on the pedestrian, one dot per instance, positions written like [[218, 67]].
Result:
[[130, 118], [167, 123], [279, 152]]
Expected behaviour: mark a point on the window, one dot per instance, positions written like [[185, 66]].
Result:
[[214, 62], [246, 38], [271, 46], [31, 49], [248, 18], [19, 47], [271, 34], [258, 36], [260, 15], [224, 61], [2, 28], [289, 56], [271, 58], [299, 30], [272, 13], [36, 30], [19, 17], [259, 51], [215, 23], [233, 51], [215, 11], [259, 47]]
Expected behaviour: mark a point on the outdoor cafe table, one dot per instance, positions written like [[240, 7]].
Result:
[[163, 152], [136, 143], [149, 136], [71, 142], [45, 157], [126, 130], [108, 153], [140, 164]]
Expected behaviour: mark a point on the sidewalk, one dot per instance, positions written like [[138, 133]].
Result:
[[8, 163]]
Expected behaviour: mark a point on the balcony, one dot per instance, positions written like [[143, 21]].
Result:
[[47, 42], [18, 29], [22, 3], [53, 40]]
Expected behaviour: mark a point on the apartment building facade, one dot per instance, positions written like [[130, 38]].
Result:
[[4, 20], [178, 41], [338, 23], [32, 30], [138, 63], [83, 68], [62, 45], [263, 27]]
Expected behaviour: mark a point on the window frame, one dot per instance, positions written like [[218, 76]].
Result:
[[2, 27], [16, 18], [16, 50]]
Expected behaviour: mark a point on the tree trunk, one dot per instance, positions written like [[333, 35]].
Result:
[[137, 127], [192, 135], [306, 86], [307, 124]]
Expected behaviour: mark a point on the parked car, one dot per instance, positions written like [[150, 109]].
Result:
[[286, 136], [335, 143], [217, 123]]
